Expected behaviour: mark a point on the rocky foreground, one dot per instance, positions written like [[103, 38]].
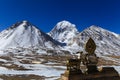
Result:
[[41, 67]]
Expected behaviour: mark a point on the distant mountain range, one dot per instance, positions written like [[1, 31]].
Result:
[[64, 36]]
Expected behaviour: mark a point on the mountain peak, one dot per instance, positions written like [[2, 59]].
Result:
[[24, 23], [64, 24], [95, 27], [64, 31]]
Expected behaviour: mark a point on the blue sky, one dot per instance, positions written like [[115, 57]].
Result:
[[46, 13]]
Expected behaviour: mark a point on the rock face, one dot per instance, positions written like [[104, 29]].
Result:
[[24, 34], [107, 42]]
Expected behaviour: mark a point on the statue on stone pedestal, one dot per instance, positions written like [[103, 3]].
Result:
[[88, 59]]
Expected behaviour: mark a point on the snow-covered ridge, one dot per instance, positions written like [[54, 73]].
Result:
[[99, 29]]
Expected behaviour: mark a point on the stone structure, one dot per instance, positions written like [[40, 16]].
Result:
[[89, 60]]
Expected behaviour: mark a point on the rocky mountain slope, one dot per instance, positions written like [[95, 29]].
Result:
[[108, 43]]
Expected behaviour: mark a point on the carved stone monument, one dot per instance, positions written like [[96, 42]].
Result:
[[91, 58]]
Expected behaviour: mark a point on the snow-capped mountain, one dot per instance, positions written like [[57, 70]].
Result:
[[108, 43], [24, 34], [64, 32]]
